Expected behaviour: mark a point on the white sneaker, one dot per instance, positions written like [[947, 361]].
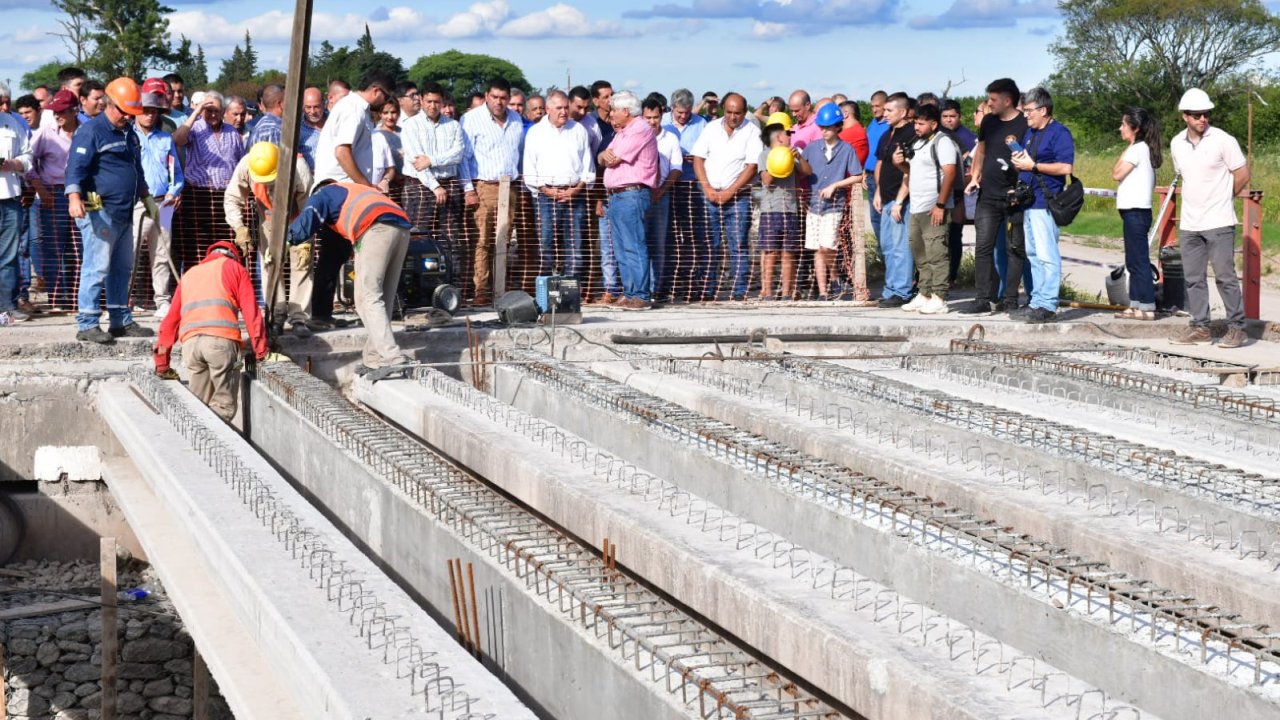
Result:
[[916, 303], [935, 306], [161, 311]]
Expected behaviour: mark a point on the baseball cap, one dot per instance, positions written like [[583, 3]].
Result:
[[64, 100], [155, 93]]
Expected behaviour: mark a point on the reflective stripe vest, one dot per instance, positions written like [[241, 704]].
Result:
[[207, 305], [362, 208], [263, 197]]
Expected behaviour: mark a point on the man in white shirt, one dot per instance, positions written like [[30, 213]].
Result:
[[495, 138], [15, 161], [558, 167], [433, 160], [1213, 172], [724, 161], [345, 150], [658, 221], [931, 176]]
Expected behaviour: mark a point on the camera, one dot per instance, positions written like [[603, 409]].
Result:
[[907, 149], [1020, 196]]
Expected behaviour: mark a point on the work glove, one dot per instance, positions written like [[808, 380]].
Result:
[[275, 357], [167, 374], [243, 241], [92, 202], [301, 255], [153, 210]]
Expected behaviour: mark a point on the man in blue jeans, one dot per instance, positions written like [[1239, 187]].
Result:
[[875, 130], [631, 174], [890, 200], [558, 168], [104, 180]]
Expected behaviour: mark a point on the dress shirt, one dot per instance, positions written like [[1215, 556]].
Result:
[[637, 148], [15, 144], [494, 151], [669, 155], [348, 124], [725, 155], [270, 128], [557, 155], [440, 140], [160, 163], [688, 137], [212, 156], [49, 149]]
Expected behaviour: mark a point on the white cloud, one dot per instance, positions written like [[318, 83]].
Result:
[[631, 84], [770, 30], [761, 85], [559, 20], [482, 18], [30, 36]]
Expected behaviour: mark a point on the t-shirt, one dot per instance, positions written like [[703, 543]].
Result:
[[890, 176], [876, 129], [1207, 201], [1136, 188], [830, 166], [1051, 144], [926, 173], [856, 136], [779, 196], [998, 173]]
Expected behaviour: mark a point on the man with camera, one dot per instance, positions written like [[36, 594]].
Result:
[[891, 194], [1044, 162], [995, 180]]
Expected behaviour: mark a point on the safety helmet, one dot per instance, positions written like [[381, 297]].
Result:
[[779, 118], [829, 115], [780, 162], [264, 157], [224, 246], [125, 95], [1195, 99]]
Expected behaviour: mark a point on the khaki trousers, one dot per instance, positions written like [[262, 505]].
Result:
[[486, 221], [214, 364], [379, 258], [159, 240], [297, 307]]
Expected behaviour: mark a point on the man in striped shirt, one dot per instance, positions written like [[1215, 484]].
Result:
[[494, 135], [433, 155]]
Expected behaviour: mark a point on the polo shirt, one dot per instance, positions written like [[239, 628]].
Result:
[[727, 155], [875, 130], [856, 136], [1051, 144], [1206, 167], [688, 136], [806, 132]]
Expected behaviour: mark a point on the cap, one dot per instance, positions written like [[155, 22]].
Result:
[[155, 93], [64, 100]]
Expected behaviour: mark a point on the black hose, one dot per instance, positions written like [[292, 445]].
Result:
[[793, 337]]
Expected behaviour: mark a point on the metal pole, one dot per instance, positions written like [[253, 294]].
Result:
[[284, 189]]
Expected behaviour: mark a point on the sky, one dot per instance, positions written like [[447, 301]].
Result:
[[757, 47]]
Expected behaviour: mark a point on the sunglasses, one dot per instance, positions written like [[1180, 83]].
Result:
[[1197, 115]]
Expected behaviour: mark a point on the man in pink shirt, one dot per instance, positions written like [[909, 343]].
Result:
[[805, 129], [631, 173]]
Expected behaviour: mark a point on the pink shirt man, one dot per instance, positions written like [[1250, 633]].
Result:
[[637, 148], [806, 132]]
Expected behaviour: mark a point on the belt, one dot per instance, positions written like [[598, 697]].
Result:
[[627, 188], [558, 187], [488, 182]]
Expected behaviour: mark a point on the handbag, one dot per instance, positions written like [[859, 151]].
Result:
[[1067, 204]]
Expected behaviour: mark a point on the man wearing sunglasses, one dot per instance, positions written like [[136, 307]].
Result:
[[1213, 172]]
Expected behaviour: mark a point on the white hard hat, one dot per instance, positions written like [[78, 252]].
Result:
[[1195, 99]]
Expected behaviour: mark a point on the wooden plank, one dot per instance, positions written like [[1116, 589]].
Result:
[[200, 688], [503, 235], [50, 608], [110, 628]]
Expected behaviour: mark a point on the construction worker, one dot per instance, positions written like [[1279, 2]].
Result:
[[104, 180], [379, 231], [255, 176], [208, 298]]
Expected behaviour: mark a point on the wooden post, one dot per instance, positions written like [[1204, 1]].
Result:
[[501, 238], [200, 688], [1252, 280], [110, 628]]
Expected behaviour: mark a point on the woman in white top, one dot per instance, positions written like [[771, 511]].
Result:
[[388, 152], [1136, 173]]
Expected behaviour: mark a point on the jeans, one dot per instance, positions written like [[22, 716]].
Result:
[[871, 203], [727, 226], [107, 264], [997, 255], [626, 219], [562, 222], [1137, 258], [1199, 250], [658, 237], [1041, 234], [58, 249], [689, 223], [10, 235], [28, 249], [899, 266], [608, 256]]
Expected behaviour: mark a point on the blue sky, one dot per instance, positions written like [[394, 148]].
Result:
[[758, 47]]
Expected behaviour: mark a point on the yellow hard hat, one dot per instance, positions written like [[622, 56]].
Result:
[[780, 162], [779, 118], [264, 157]]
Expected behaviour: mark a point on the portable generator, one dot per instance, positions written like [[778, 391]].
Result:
[[425, 277]]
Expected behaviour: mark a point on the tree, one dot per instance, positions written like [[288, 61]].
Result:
[[1118, 53], [192, 67], [331, 63], [463, 73], [46, 74], [127, 36], [241, 66]]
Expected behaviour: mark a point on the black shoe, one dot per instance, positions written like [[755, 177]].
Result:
[[893, 301], [1008, 306], [317, 324], [1036, 316], [977, 307], [132, 330], [300, 330], [95, 335]]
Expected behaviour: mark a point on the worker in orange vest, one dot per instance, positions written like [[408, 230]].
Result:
[[255, 177], [379, 231], [208, 298]]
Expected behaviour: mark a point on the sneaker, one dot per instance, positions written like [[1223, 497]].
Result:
[[161, 311], [300, 330], [17, 316], [132, 330], [935, 306], [1234, 338], [893, 301], [95, 335], [606, 299], [1192, 335], [634, 304], [978, 307], [1036, 316], [916, 303]]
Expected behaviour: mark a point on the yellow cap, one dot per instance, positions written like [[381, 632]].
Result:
[[779, 118], [780, 162], [264, 157]]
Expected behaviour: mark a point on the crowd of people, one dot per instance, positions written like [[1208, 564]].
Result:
[[648, 196]]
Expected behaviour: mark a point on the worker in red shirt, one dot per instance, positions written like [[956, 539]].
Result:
[[210, 298]]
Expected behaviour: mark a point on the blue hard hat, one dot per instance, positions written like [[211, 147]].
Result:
[[829, 114]]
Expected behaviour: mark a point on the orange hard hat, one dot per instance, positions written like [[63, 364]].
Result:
[[124, 94]]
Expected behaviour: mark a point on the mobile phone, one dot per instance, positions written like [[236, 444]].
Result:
[[1014, 145]]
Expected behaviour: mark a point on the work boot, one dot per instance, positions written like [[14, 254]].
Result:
[[132, 330], [1234, 338], [95, 335], [977, 307], [1193, 335], [319, 324]]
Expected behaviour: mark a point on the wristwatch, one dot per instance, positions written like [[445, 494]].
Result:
[[940, 206]]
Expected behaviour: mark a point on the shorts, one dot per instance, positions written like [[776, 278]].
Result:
[[779, 231], [822, 231]]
